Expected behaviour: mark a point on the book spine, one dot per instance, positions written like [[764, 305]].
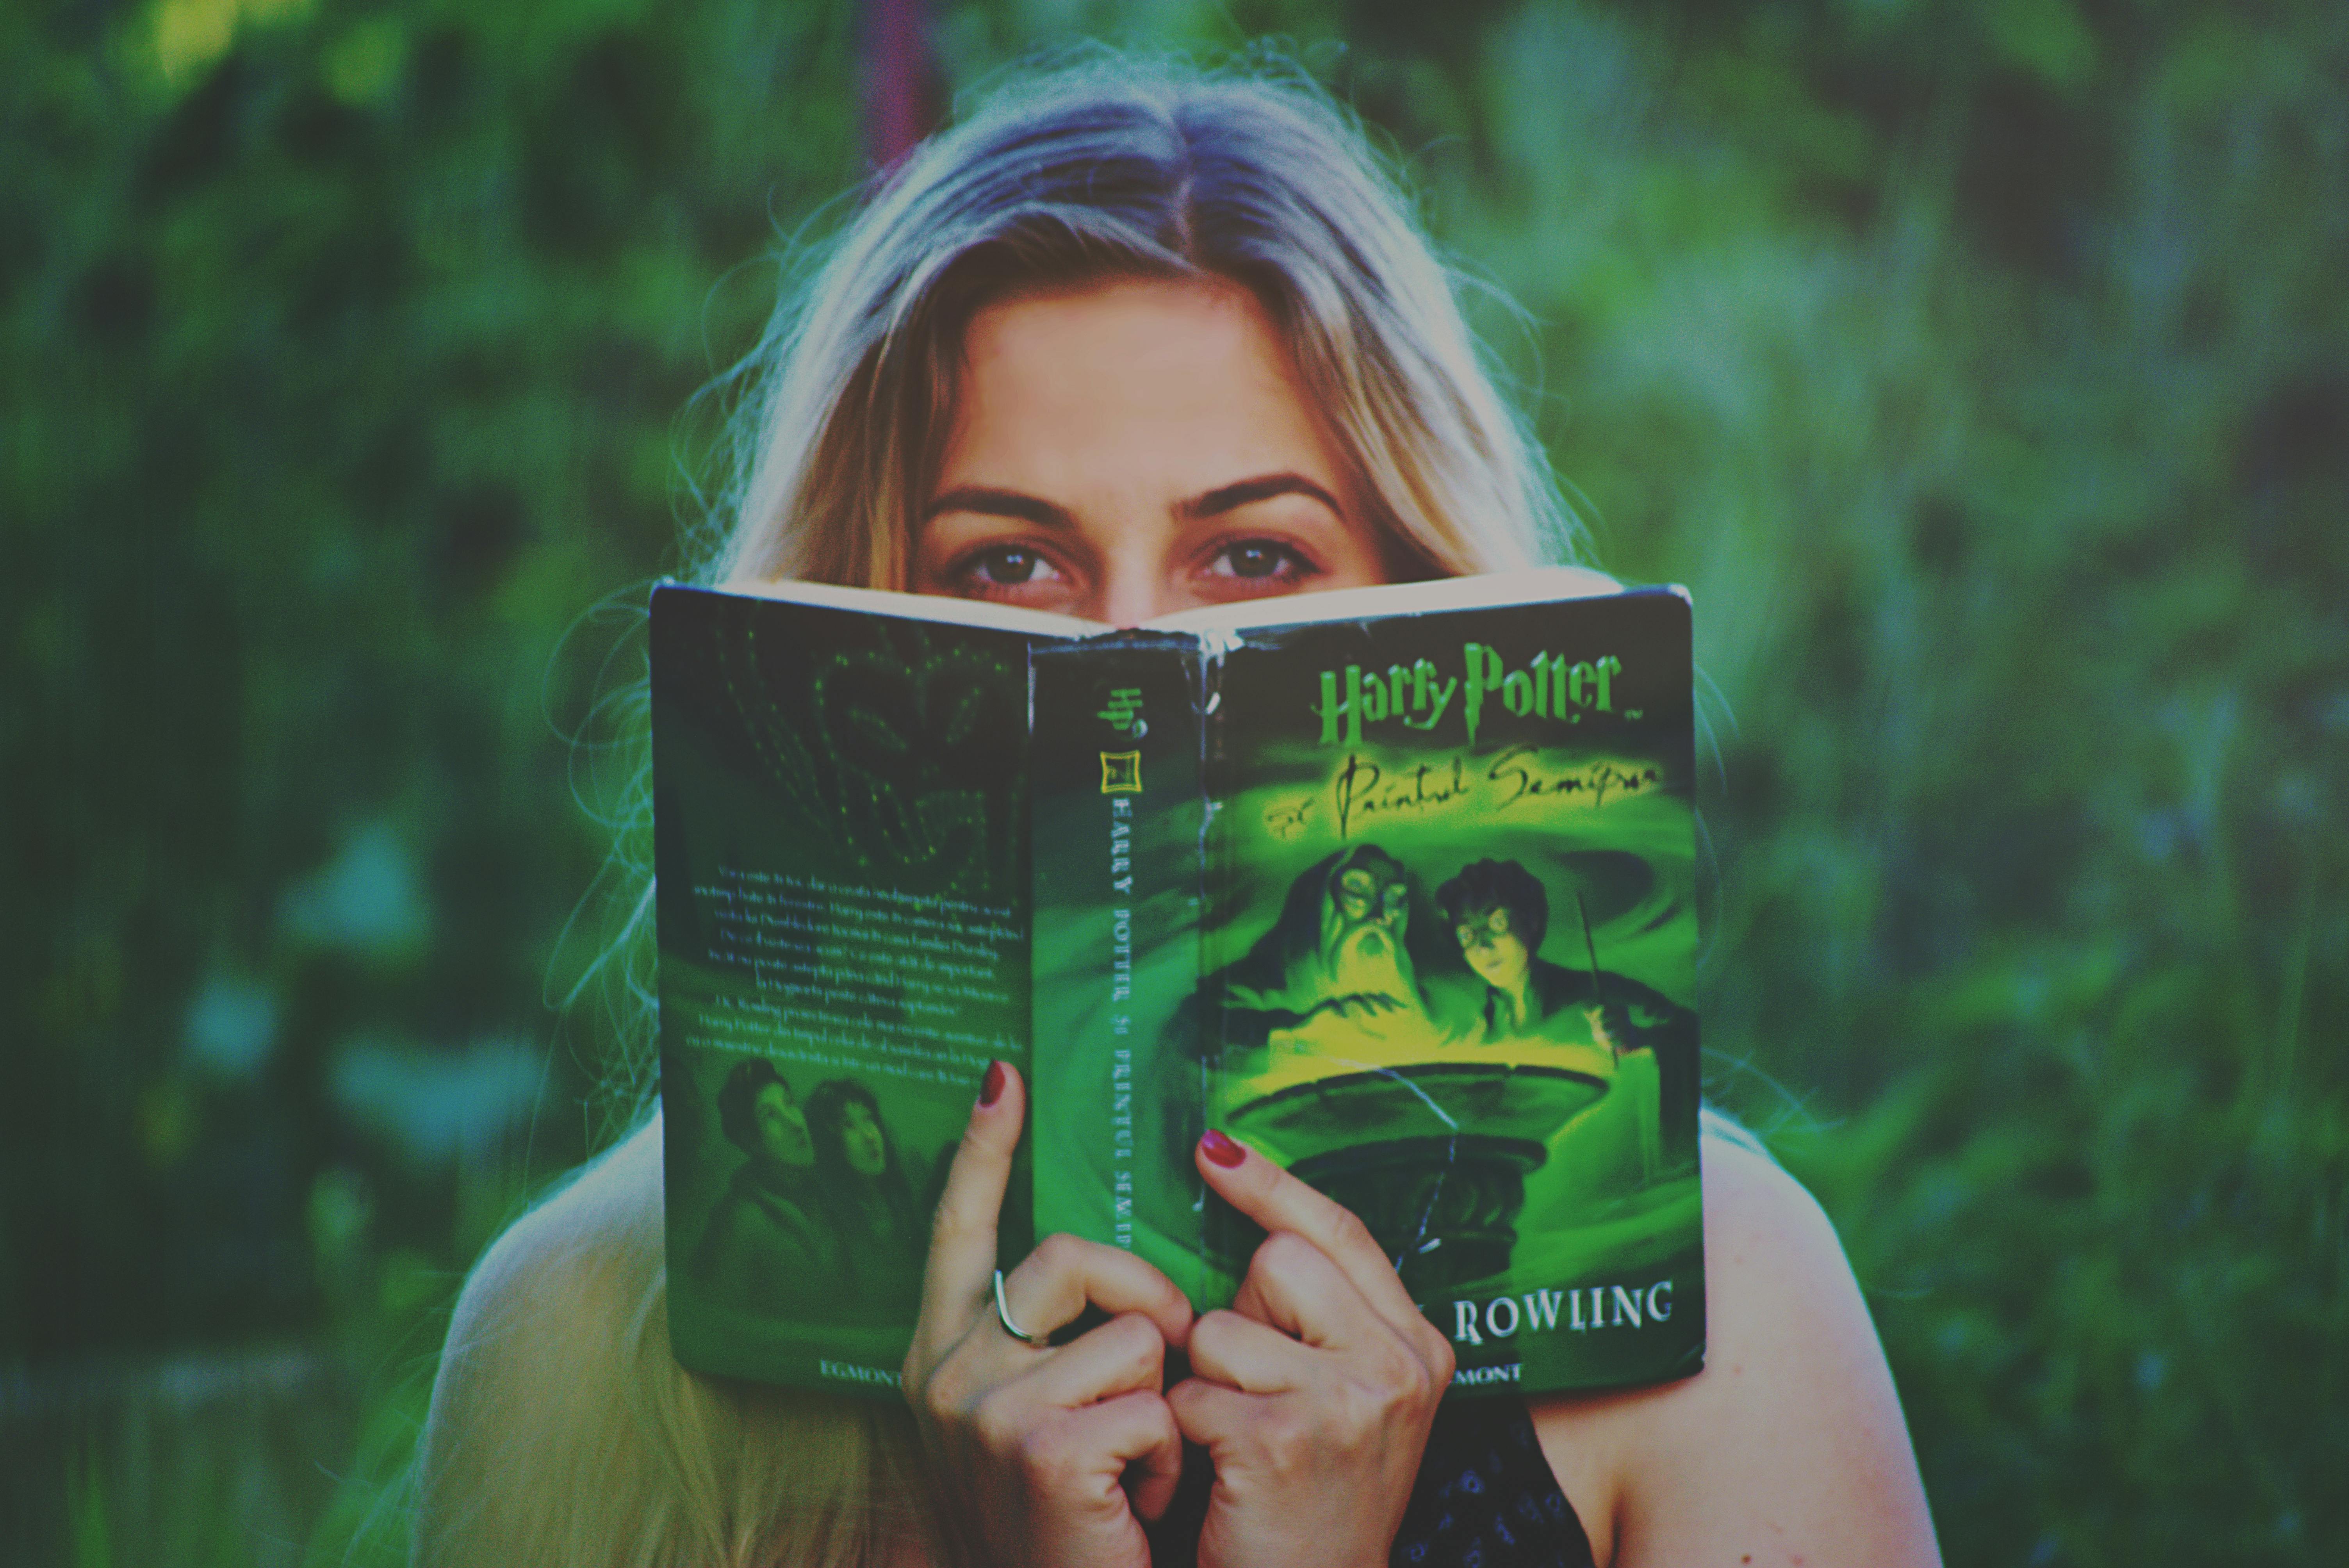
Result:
[[1115, 833]]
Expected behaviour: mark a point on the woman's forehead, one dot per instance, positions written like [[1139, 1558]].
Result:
[[1055, 382]]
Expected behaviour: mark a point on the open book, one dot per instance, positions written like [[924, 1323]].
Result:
[[1395, 885]]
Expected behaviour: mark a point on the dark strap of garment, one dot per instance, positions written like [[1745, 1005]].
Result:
[[1484, 1499]]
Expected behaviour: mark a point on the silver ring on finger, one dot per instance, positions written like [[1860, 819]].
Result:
[[1003, 1316]]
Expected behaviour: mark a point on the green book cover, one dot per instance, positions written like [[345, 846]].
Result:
[[1395, 885], [1448, 960]]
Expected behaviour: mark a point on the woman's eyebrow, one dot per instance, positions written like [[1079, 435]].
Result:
[[1264, 487], [1000, 503]]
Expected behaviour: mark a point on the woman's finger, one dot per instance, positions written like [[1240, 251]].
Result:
[[1053, 1283], [962, 1237], [1124, 1356], [1293, 1286], [1139, 1429], [1215, 1415], [1279, 1202], [1242, 1353]]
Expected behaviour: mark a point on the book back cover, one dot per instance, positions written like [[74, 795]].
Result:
[[841, 848]]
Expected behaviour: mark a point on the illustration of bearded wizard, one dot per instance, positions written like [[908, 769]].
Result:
[[1357, 953]]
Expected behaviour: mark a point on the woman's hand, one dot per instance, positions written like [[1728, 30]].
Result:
[[1033, 1446], [1315, 1392]]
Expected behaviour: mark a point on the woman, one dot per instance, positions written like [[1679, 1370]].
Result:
[[1129, 341]]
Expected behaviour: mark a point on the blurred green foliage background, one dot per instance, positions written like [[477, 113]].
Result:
[[1982, 367]]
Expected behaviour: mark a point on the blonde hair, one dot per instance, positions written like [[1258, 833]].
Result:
[[563, 1432], [1112, 170], [562, 1429]]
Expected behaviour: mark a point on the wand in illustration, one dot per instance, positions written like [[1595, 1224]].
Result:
[[1597, 991]]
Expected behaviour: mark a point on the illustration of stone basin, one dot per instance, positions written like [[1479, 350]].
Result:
[[1432, 1156]]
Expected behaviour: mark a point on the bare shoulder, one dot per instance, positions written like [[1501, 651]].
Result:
[[1789, 1446]]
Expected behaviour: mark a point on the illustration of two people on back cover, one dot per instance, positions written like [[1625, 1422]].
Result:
[[825, 1210]]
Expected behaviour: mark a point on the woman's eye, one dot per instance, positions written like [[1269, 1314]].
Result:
[[1008, 566], [1260, 560]]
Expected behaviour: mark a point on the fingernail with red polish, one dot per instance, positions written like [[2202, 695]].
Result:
[[990, 1088], [1222, 1149]]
